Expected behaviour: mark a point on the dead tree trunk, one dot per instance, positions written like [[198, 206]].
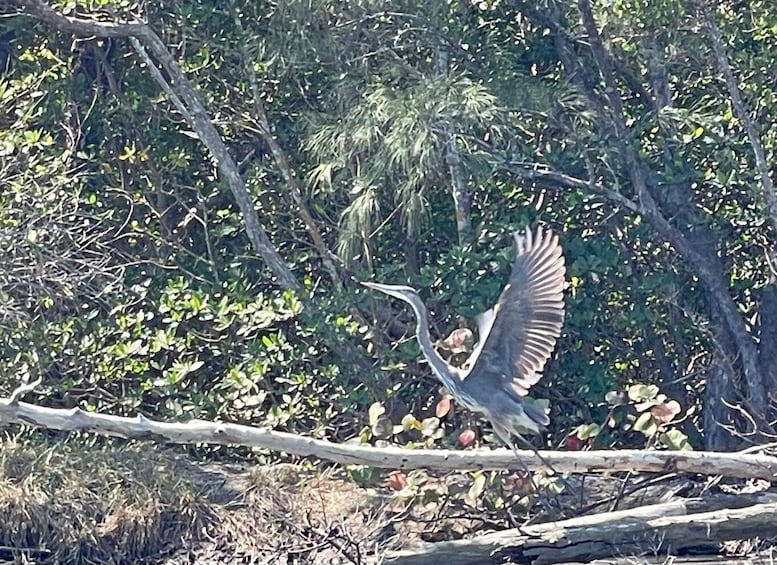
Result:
[[659, 529]]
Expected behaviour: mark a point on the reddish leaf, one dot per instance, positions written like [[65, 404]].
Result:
[[573, 442], [457, 338], [666, 411], [459, 341], [397, 480], [520, 481], [467, 438], [443, 407]]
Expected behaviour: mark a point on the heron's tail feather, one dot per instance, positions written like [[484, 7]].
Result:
[[536, 413]]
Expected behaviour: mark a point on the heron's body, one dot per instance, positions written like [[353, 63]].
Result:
[[517, 336]]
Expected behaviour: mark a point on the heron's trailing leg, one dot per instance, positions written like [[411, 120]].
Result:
[[547, 503], [506, 436]]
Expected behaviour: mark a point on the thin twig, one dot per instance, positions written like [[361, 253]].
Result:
[[21, 390]]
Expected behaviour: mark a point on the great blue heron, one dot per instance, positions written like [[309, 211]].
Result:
[[516, 338]]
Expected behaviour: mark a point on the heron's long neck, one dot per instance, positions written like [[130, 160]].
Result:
[[438, 364]]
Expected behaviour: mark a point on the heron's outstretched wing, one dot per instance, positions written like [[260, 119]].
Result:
[[518, 334]]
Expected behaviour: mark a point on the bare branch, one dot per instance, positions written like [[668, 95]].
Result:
[[660, 529], [23, 389], [160, 79], [462, 199], [200, 431], [557, 179], [283, 163]]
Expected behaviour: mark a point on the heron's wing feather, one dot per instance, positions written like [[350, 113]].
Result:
[[522, 328], [485, 321]]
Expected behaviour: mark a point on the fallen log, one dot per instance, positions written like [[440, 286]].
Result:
[[741, 465], [659, 529]]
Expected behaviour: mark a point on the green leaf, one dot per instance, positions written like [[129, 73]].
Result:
[[646, 425], [375, 412], [588, 431], [410, 422], [361, 474], [675, 439], [475, 490], [382, 428], [429, 426], [642, 392], [541, 403]]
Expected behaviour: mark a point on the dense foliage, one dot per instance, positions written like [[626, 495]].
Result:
[[130, 284]]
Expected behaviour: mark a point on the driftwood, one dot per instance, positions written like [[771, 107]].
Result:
[[662, 529], [742, 465], [656, 530]]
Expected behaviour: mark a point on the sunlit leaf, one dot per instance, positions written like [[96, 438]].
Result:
[[476, 489], [642, 392], [382, 428], [666, 411], [410, 422], [467, 438], [587, 431], [376, 410], [646, 425], [429, 426], [615, 398], [397, 480], [443, 407], [675, 439]]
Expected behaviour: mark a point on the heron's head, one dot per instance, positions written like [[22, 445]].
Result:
[[400, 291]]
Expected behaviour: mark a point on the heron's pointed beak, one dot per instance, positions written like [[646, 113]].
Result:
[[389, 289], [377, 286]]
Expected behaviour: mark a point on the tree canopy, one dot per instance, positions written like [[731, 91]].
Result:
[[188, 204]]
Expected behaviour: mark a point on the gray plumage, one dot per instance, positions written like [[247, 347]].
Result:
[[516, 338]]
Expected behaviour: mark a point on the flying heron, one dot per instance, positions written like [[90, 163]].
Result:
[[516, 338]]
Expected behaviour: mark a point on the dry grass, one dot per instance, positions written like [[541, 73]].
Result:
[[98, 501], [288, 514], [127, 503], [71, 503]]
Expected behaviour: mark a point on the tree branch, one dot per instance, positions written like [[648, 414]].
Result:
[[713, 33], [706, 268], [282, 162], [657, 529], [557, 179], [462, 199], [201, 431], [197, 115], [23, 389]]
